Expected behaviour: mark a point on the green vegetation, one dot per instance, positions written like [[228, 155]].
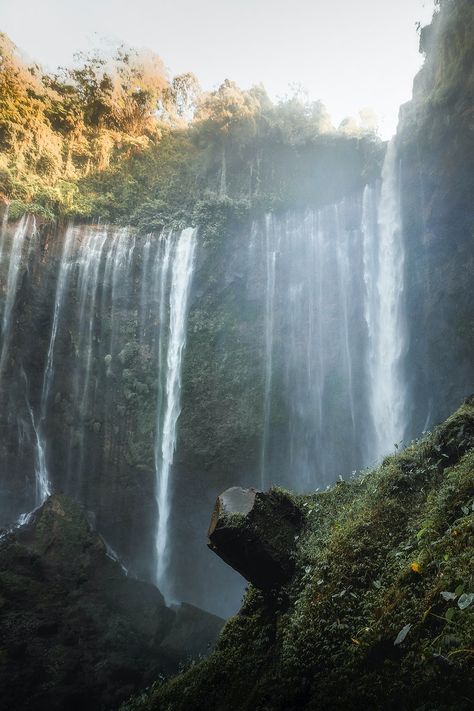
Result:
[[448, 44], [115, 137], [380, 611]]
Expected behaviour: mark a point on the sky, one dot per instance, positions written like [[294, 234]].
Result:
[[350, 54]]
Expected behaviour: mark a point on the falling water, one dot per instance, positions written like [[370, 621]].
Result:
[[312, 311], [58, 301], [42, 484], [333, 336], [383, 275], [14, 270], [89, 262], [182, 270], [271, 253], [329, 283], [3, 232], [105, 283], [344, 277]]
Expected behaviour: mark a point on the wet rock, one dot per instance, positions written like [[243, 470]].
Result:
[[255, 532], [76, 631]]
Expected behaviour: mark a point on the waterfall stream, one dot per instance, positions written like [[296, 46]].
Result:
[[117, 329], [14, 269], [385, 313], [334, 336], [99, 417], [181, 269]]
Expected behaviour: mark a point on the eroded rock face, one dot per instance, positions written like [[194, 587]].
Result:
[[76, 631], [255, 533]]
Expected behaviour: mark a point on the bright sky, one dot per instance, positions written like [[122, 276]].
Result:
[[348, 53]]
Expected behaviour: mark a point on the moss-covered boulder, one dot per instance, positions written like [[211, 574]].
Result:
[[255, 532]]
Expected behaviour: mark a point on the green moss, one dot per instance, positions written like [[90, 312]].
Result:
[[390, 550]]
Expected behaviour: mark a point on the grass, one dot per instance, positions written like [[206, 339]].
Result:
[[380, 611]]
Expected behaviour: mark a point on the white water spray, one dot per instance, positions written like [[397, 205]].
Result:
[[14, 269], [42, 484], [182, 270], [271, 248], [383, 275]]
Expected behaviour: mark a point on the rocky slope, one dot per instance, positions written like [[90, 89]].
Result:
[[379, 612]]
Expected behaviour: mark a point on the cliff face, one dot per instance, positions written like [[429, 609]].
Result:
[[89, 325], [436, 151], [276, 368]]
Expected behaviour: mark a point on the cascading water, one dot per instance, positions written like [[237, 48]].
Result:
[[182, 270], [383, 275], [312, 304], [43, 487], [14, 269], [100, 420], [64, 268], [89, 263], [3, 232], [118, 328], [333, 336], [271, 255]]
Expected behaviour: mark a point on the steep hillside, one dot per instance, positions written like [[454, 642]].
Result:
[[436, 151], [380, 610]]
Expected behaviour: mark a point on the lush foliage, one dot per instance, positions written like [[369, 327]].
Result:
[[115, 137], [448, 44]]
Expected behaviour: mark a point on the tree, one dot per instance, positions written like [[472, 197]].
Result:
[[180, 99]]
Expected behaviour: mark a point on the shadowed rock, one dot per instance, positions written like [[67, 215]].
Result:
[[255, 532], [76, 631]]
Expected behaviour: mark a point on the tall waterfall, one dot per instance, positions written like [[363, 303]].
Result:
[[314, 311], [14, 270], [272, 245], [182, 269], [312, 316], [383, 273], [3, 232], [115, 334], [334, 394]]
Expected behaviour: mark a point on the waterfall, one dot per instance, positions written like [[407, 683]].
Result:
[[344, 283], [271, 252], [383, 275], [323, 303], [89, 263], [3, 232], [312, 301], [181, 274], [42, 484], [14, 269], [58, 301], [333, 336], [120, 305]]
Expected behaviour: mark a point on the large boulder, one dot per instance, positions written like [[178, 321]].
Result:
[[255, 532], [77, 632]]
